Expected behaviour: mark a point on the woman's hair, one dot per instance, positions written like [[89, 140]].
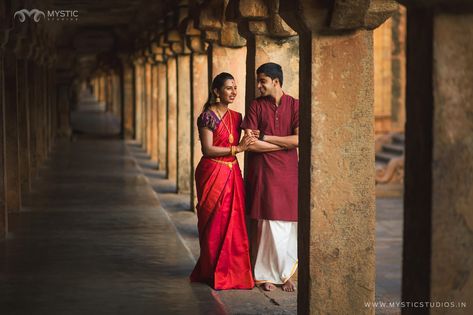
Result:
[[217, 83]]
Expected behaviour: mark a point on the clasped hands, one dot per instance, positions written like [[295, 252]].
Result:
[[249, 138]]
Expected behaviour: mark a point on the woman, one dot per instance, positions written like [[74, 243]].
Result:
[[224, 261]]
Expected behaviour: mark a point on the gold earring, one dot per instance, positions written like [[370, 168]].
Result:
[[217, 99]]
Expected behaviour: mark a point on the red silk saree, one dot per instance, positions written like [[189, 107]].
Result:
[[224, 261]]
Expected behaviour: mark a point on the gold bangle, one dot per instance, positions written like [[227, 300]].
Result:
[[233, 150]]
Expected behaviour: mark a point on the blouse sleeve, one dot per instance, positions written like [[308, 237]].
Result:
[[207, 120]]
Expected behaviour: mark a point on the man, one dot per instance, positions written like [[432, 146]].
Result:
[[272, 179]]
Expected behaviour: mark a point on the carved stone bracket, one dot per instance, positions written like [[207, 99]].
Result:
[[339, 16], [361, 14], [262, 17], [216, 29], [158, 52], [193, 37]]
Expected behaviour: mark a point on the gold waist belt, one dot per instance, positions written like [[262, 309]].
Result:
[[229, 164]]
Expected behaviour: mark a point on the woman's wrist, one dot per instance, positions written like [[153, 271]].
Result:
[[233, 150]]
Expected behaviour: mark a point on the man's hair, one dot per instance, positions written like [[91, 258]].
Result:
[[272, 70]]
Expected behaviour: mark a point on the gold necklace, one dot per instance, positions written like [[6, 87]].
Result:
[[230, 137]]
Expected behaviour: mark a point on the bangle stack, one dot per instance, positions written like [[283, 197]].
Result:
[[233, 150]]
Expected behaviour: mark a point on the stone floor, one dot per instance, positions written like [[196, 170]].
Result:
[[103, 232], [388, 246], [93, 239]]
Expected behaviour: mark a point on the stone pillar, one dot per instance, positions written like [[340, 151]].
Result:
[[43, 111], [162, 116], [148, 98], [24, 123], [46, 121], [144, 104], [33, 109], [53, 101], [171, 118], [199, 93], [117, 94], [37, 133], [96, 88], [49, 108], [184, 122], [398, 64], [52, 105], [12, 145], [38, 113], [382, 59], [336, 165], [176, 38], [452, 167], [337, 207], [3, 208], [109, 92], [438, 221], [138, 101], [101, 91], [128, 100], [154, 112]]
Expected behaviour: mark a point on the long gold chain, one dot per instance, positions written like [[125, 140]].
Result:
[[230, 137]]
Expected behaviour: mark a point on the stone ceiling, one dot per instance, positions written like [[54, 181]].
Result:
[[102, 29]]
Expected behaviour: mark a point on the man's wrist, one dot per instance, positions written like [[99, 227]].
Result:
[[261, 136]]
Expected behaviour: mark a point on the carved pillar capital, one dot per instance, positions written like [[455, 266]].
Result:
[[193, 38], [158, 52], [364, 14], [337, 16]]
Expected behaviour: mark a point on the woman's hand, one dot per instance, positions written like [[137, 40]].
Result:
[[245, 142], [255, 132]]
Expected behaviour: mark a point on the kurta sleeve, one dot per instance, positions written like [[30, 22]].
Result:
[[240, 120], [251, 117], [295, 116], [206, 119]]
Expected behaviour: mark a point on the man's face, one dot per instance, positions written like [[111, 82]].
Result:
[[265, 84]]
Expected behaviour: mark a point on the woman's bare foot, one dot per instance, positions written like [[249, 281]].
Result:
[[267, 286], [289, 286]]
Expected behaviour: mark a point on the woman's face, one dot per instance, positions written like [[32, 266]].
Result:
[[227, 92]]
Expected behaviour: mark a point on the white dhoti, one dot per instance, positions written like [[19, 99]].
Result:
[[276, 257]]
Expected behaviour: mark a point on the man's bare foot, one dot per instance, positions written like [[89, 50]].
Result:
[[267, 286], [289, 286]]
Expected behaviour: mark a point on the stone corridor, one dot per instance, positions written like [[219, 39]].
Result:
[[93, 239], [102, 231], [98, 147]]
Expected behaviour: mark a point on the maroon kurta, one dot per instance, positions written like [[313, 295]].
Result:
[[271, 183]]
